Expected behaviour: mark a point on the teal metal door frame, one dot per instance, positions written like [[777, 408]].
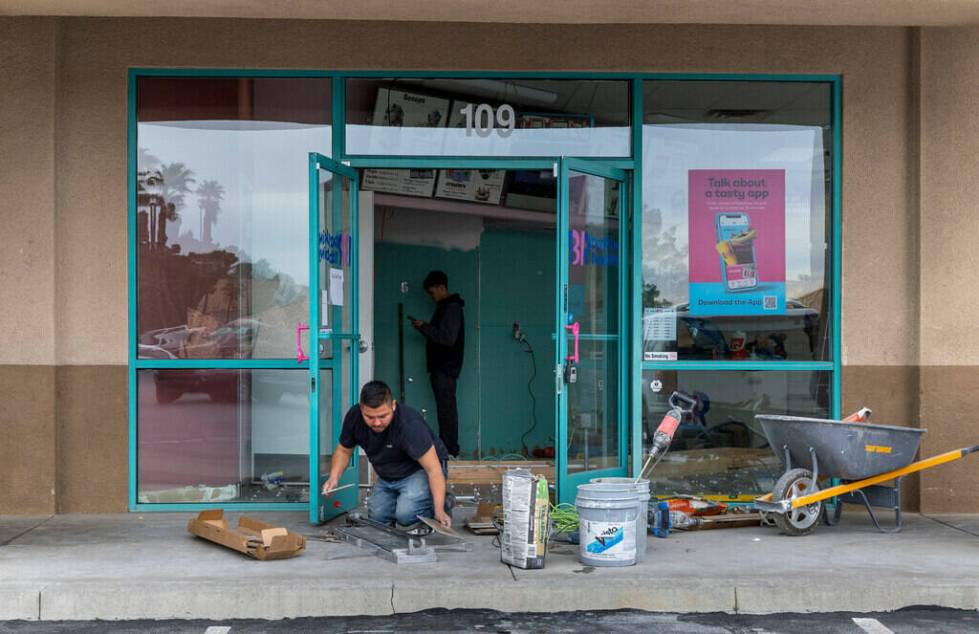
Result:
[[634, 162], [567, 483], [321, 508]]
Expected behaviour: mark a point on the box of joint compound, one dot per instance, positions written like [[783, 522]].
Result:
[[526, 519]]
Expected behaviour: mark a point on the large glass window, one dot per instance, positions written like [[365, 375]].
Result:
[[719, 449], [223, 436], [488, 117], [736, 221], [221, 223]]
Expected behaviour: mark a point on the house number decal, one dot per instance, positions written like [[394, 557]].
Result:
[[481, 119]]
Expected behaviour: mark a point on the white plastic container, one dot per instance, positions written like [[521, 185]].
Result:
[[607, 514], [641, 491]]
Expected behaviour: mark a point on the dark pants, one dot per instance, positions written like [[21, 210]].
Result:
[[444, 388]]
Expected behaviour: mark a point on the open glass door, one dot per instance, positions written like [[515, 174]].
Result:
[[334, 342], [591, 359]]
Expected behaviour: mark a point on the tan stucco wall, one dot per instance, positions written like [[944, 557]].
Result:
[[28, 66], [949, 303], [90, 58], [949, 196], [825, 12]]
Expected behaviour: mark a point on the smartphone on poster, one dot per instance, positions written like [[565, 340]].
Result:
[[736, 247]]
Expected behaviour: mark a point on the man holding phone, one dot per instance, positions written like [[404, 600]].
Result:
[[445, 335], [408, 458]]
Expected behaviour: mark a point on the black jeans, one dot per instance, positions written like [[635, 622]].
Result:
[[444, 389]]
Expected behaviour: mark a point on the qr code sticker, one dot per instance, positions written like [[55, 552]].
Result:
[[770, 302]]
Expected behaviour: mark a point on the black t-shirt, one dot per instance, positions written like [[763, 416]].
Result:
[[394, 452]]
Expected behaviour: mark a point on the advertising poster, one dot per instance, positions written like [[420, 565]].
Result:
[[397, 108], [409, 182], [479, 186], [737, 241]]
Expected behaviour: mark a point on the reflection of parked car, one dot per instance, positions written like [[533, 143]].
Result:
[[232, 340], [793, 334], [229, 386], [220, 385]]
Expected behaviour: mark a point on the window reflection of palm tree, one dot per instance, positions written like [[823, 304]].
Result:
[[209, 193], [175, 181]]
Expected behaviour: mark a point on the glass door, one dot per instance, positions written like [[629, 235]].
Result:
[[334, 342], [591, 364]]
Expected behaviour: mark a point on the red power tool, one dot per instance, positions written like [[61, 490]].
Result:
[[680, 404]]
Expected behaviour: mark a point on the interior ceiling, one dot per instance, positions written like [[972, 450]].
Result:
[[788, 12]]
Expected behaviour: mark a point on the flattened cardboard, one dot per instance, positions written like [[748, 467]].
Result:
[[253, 537], [481, 522]]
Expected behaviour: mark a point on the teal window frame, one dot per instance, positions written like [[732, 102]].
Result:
[[632, 165]]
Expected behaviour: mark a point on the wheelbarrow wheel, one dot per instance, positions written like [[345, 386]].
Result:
[[800, 521]]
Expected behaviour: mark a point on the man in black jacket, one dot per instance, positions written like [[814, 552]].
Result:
[[445, 336]]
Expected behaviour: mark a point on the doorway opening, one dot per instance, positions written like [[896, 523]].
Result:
[[493, 233]]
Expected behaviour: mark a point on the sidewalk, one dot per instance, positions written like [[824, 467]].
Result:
[[131, 566]]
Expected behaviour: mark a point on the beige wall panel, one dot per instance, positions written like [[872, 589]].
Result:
[[892, 392], [27, 91], [93, 448], [950, 196], [948, 405], [27, 438], [838, 12], [878, 276]]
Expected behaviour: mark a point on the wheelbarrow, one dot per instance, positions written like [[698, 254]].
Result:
[[860, 455]]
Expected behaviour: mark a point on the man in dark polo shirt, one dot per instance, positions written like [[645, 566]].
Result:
[[408, 458]]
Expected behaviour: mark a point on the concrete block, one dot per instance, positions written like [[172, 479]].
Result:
[[853, 595], [19, 603], [207, 599], [549, 595]]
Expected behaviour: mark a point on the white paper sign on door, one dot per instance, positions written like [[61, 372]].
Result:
[[336, 287]]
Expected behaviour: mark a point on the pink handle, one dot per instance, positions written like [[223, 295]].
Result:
[[300, 356], [574, 329]]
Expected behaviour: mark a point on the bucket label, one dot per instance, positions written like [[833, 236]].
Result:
[[612, 541]]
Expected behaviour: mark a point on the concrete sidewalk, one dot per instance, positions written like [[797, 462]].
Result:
[[133, 566]]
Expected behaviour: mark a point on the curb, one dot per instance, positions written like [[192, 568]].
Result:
[[224, 599]]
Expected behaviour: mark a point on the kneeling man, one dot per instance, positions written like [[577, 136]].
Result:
[[409, 460]]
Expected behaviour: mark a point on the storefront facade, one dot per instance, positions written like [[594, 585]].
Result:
[[830, 120]]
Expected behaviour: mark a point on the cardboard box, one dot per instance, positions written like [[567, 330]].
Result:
[[252, 537]]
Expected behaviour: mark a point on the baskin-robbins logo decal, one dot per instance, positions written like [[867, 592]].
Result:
[[335, 248], [588, 250]]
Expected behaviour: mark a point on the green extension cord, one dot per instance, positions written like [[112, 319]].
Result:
[[564, 518]]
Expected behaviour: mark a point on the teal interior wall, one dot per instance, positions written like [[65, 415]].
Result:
[[393, 264], [508, 278], [517, 283]]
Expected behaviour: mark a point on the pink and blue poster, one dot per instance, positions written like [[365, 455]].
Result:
[[737, 242]]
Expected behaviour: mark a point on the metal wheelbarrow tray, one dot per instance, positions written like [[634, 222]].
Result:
[[862, 455]]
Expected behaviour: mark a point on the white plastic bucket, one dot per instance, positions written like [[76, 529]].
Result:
[[641, 491], [608, 522]]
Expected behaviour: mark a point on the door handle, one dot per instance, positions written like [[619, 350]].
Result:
[[363, 346], [575, 330], [300, 355], [569, 373]]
